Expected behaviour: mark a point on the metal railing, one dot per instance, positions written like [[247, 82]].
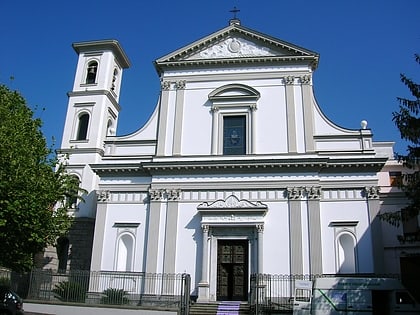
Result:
[[275, 293], [132, 289]]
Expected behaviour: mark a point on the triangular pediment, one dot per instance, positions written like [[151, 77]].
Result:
[[236, 43]]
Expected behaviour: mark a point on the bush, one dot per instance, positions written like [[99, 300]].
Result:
[[70, 291], [5, 282], [114, 297]]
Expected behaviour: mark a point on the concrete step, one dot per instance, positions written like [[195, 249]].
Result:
[[220, 308]]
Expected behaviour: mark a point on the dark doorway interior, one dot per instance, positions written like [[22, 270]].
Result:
[[410, 275], [381, 302], [232, 270]]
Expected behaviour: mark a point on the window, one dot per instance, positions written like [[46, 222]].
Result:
[[234, 135], [92, 70], [233, 125], [114, 79], [395, 179], [83, 127]]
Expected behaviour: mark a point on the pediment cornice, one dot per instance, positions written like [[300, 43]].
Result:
[[236, 45]]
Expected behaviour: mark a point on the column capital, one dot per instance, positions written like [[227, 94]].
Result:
[[260, 228], [165, 85], [295, 193], [372, 192], [305, 79], [205, 228], [313, 192], [180, 84], [103, 195], [289, 80]]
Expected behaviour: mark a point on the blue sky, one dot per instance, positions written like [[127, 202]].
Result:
[[364, 45]]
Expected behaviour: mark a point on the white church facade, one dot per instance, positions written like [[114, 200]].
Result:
[[237, 171]]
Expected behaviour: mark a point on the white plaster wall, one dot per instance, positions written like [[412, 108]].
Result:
[[124, 213], [334, 211], [271, 117], [276, 239], [197, 123], [189, 239]]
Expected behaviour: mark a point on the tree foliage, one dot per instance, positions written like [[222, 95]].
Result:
[[31, 185], [407, 120]]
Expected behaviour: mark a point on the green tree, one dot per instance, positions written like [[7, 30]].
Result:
[[407, 120], [32, 184]]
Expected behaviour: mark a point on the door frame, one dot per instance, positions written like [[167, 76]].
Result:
[[245, 283], [231, 233]]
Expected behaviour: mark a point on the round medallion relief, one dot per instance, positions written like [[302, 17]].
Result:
[[234, 46]]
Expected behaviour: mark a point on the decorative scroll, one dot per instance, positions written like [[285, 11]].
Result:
[[232, 202]]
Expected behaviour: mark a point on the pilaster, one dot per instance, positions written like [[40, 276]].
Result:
[[291, 114], [153, 230], [307, 112], [171, 231], [99, 234], [295, 195], [372, 196], [314, 216]]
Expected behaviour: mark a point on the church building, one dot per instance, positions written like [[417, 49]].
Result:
[[237, 171]]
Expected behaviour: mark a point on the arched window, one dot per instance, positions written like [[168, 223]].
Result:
[[92, 70], [125, 254], [346, 253], [109, 128], [62, 248], [83, 127], [114, 79]]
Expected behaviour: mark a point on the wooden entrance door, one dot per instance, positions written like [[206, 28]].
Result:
[[232, 270]]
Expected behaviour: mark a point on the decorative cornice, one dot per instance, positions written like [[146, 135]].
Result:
[[87, 92], [220, 164]]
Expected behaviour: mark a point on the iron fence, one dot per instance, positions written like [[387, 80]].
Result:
[[274, 294], [134, 289]]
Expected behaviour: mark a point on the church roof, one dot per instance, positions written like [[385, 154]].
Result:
[[236, 44]]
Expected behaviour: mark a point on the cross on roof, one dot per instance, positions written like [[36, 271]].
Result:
[[234, 11]]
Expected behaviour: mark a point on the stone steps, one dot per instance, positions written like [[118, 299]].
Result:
[[220, 308]]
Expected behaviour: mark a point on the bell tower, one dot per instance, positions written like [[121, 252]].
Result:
[[93, 108]]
